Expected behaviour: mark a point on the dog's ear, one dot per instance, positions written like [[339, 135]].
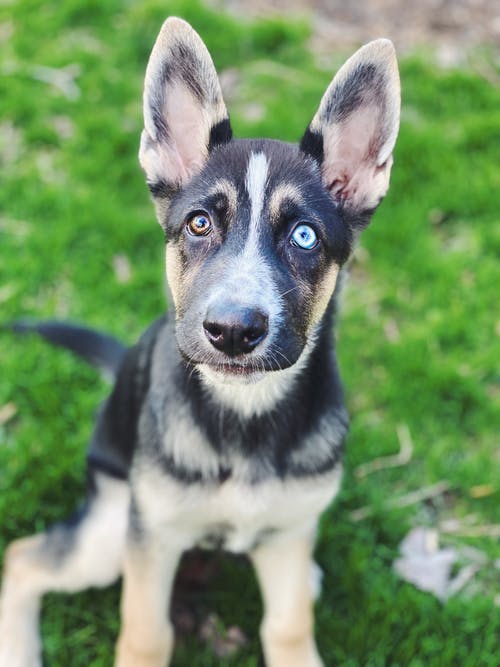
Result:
[[184, 113], [354, 130]]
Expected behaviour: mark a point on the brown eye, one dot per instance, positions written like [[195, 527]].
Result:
[[199, 224]]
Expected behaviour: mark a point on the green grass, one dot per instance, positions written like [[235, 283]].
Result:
[[418, 339]]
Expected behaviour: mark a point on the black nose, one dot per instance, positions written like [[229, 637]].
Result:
[[235, 329]]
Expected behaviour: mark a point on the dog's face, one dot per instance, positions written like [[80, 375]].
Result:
[[257, 230], [254, 247]]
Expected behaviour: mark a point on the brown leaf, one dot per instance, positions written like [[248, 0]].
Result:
[[7, 411], [122, 269]]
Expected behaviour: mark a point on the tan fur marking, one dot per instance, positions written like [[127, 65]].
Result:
[[225, 187], [173, 271], [279, 195], [161, 209], [324, 293]]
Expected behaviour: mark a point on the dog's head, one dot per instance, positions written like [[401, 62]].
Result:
[[257, 230]]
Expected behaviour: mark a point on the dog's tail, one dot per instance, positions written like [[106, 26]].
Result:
[[98, 349]]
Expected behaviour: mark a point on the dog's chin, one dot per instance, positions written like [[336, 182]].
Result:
[[231, 374]]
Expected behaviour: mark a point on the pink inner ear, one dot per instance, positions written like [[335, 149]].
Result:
[[188, 125], [353, 150]]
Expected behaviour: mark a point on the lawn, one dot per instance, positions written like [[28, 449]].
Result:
[[418, 338]]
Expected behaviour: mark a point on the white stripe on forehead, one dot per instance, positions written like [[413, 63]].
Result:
[[255, 182]]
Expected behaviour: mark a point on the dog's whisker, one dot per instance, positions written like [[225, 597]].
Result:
[[288, 291]]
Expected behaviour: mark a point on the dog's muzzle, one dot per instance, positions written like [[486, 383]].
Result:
[[235, 329]]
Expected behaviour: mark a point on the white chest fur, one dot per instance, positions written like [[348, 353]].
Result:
[[185, 515]]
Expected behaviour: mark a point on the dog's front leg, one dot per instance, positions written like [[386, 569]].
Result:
[[284, 571], [146, 636]]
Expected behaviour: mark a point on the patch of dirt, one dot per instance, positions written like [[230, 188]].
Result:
[[453, 29]]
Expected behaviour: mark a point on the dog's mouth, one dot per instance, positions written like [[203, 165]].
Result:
[[234, 369], [237, 370], [233, 372]]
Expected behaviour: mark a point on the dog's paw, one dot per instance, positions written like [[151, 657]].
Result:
[[139, 660], [127, 656], [292, 654], [310, 661]]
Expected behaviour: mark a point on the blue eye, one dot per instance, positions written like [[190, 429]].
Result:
[[304, 237], [199, 224]]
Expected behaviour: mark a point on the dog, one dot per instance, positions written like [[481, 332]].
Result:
[[226, 423]]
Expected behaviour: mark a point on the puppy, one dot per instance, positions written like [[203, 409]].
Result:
[[226, 421]]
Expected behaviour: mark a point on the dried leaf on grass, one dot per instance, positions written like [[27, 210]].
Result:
[[62, 79], [7, 411], [6, 292], [464, 529], [122, 268], [429, 567], [482, 490], [412, 498]]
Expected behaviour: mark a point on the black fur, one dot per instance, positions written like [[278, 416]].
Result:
[[366, 82], [161, 189], [220, 134], [312, 144], [115, 436]]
